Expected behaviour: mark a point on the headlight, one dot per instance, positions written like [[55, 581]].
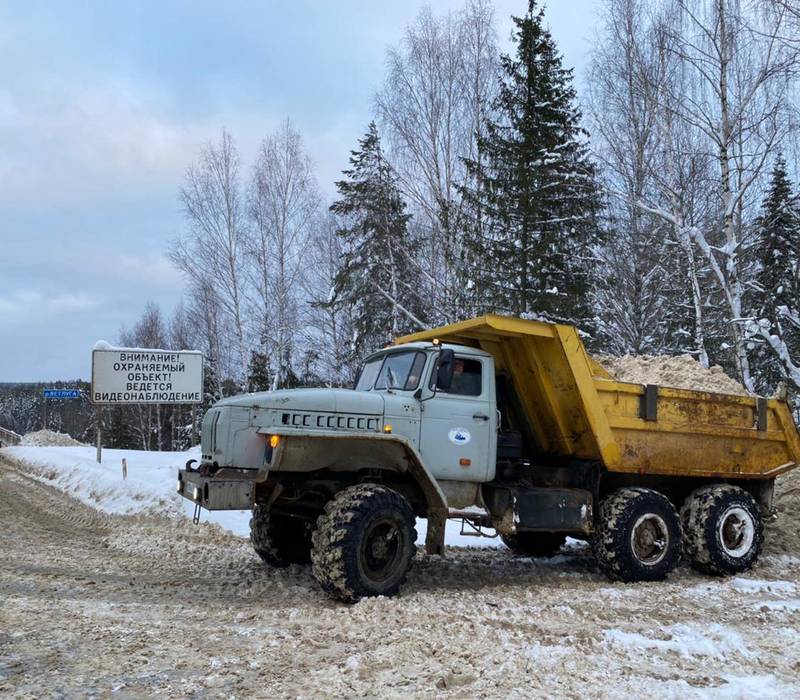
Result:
[[195, 493], [180, 485]]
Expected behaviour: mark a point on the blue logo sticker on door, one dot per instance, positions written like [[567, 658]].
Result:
[[459, 436]]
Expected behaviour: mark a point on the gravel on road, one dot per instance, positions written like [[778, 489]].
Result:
[[93, 605]]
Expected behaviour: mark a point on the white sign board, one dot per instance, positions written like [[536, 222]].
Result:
[[133, 375]]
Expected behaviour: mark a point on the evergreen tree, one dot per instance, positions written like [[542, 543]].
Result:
[[376, 279], [532, 191], [778, 278], [211, 383], [779, 233], [258, 374]]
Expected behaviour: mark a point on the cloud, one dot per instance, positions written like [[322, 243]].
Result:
[[28, 305], [89, 139], [155, 268]]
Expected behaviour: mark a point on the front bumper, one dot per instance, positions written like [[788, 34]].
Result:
[[228, 489]]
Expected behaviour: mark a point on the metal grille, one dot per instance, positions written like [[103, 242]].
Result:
[[331, 421]]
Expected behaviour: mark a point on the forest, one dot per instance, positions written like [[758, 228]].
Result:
[[652, 202]]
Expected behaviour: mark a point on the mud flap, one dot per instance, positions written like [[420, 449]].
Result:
[[434, 540]]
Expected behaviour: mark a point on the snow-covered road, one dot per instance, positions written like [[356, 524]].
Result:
[[98, 604]]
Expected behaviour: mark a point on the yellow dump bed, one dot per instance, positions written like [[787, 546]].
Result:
[[576, 409]]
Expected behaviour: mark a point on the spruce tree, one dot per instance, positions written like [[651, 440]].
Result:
[[778, 232], [377, 279], [258, 372], [532, 191]]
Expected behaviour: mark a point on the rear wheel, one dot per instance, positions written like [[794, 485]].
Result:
[[534, 544], [364, 543], [722, 528], [638, 536], [278, 539]]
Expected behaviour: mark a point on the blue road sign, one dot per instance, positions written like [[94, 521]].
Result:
[[62, 393]]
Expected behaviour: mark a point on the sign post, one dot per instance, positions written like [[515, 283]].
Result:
[[58, 394], [123, 376], [98, 434]]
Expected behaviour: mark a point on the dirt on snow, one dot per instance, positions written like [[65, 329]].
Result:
[[93, 605], [678, 371], [49, 438]]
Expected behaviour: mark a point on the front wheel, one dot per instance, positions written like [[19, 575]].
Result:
[[278, 539], [363, 543], [722, 528], [638, 536]]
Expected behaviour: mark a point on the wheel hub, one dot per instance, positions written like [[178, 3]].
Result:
[[736, 531], [381, 549], [649, 539]]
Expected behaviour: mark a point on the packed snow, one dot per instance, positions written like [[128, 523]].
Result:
[[477, 623], [715, 641]]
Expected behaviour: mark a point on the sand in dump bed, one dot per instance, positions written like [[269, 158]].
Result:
[[49, 438], [678, 371]]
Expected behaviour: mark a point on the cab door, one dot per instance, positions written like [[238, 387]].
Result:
[[459, 426]]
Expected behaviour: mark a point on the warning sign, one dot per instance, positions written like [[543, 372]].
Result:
[[125, 375]]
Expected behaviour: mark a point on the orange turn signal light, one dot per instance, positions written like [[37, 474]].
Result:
[[464, 462], [387, 428], [273, 441]]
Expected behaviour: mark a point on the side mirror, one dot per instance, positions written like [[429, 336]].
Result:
[[444, 374]]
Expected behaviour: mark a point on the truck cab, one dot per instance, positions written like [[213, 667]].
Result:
[[452, 424]]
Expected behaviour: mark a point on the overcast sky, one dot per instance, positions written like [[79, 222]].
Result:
[[103, 105]]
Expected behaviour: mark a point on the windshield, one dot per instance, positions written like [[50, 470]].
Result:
[[396, 370], [366, 380]]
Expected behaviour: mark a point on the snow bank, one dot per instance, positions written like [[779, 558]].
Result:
[[62, 462], [678, 371], [148, 489]]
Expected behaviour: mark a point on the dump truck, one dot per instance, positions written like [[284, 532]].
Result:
[[510, 427]]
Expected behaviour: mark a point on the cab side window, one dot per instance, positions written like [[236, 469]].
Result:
[[466, 378]]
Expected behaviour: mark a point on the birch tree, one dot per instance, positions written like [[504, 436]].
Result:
[[284, 203], [212, 252], [328, 314], [432, 109], [149, 331], [636, 306], [740, 69]]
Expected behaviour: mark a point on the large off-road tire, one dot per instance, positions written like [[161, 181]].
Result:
[[722, 529], [638, 536], [534, 544], [278, 539], [363, 543]]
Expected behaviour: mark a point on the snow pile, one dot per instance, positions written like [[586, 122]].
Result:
[[678, 371], [49, 438]]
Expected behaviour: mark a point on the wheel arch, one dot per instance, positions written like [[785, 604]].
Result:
[[343, 453], [678, 488]]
